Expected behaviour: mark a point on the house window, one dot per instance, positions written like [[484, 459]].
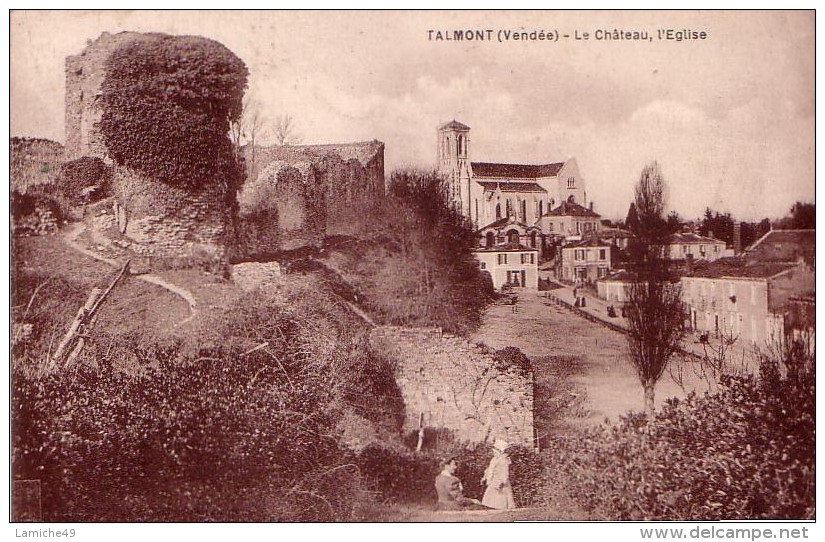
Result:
[[578, 254], [715, 248], [528, 258], [502, 259], [550, 226], [685, 249], [482, 265], [602, 272], [602, 254], [541, 208], [702, 250]]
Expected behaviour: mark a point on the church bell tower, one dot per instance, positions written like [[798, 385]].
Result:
[[453, 162]]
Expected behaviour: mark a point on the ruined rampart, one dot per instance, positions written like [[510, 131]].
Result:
[[457, 385]]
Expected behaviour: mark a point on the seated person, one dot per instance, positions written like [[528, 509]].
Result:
[[450, 491]]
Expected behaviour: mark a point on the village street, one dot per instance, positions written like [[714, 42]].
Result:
[[546, 332]]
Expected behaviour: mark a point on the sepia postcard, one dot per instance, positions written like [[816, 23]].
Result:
[[274, 267]]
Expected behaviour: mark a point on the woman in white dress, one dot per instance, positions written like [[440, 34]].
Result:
[[499, 494]]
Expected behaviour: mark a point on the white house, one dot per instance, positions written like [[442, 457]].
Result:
[[510, 264]]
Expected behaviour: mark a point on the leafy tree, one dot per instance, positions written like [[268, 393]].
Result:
[[803, 216], [718, 225], [168, 102], [674, 222], [654, 309]]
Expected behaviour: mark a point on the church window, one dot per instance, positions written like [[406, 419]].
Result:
[[524, 210], [571, 199], [512, 236], [498, 211], [571, 182], [541, 208], [461, 146], [509, 208], [490, 239], [533, 239]]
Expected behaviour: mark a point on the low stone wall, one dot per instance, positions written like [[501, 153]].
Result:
[[250, 275], [457, 386]]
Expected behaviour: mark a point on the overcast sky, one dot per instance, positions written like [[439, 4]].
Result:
[[729, 118]]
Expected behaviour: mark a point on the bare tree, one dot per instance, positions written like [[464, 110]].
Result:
[[655, 315], [249, 128], [285, 131]]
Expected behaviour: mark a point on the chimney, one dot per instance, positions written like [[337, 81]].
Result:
[[737, 238], [591, 205]]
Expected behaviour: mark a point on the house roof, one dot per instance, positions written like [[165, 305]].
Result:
[[739, 268], [611, 233], [797, 237], [572, 209], [512, 187], [620, 276], [784, 246], [687, 238], [506, 247], [455, 125], [501, 222], [587, 243], [516, 171]]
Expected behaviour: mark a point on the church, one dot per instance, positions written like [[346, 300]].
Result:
[[511, 205], [486, 192]]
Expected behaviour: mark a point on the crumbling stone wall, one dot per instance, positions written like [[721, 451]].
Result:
[[84, 76], [181, 227], [340, 181], [457, 385]]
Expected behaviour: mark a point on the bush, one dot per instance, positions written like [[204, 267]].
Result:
[[35, 214], [85, 180], [414, 265], [511, 358], [399, 476], [744, 453]]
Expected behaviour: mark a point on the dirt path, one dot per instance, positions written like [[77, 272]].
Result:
[[71, 238]]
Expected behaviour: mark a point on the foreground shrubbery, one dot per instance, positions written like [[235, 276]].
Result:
[[744, 453], [207, 428]]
